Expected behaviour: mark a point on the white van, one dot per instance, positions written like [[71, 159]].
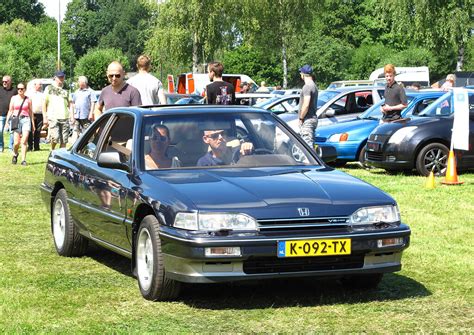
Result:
[[407, 75], [30, 87]]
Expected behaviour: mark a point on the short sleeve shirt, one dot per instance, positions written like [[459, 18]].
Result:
[[395, 95], [57, 100], [83, 99], [312, 91], [126, 97], [220, 93], [149, 86], [5, 97]]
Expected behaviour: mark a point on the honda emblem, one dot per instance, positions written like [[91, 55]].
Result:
[[303, 211]]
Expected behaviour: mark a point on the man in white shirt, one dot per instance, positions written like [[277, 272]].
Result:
[[150, 87], [37, 100]]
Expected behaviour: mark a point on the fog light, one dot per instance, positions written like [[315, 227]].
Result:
[[222, 251], [390, 242], [391, 158]]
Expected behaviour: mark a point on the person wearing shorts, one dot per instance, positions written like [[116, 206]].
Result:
[[56, 111], [20, 106]]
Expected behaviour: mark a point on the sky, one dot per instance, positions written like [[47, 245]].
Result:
[[52, 6]]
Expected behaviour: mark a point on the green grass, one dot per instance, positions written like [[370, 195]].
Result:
[[41, 292]]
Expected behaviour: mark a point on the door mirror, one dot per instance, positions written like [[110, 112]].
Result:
[[112, 160], [330, 112]]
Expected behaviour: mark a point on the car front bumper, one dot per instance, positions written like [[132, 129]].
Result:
[[345, 150], [185, 260], [389, 156]]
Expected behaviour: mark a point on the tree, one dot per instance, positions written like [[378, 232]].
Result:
[[94, 64], [107, 24], [28, 10], [13, 64]]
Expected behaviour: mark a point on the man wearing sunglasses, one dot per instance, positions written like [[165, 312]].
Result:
[[221, 153], [118, 93], [6, 93]]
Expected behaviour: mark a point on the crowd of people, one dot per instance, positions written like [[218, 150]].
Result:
[[26, 114]]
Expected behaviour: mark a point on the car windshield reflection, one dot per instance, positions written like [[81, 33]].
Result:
[[220, 140]]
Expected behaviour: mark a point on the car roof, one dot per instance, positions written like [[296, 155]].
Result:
[[186, 109]]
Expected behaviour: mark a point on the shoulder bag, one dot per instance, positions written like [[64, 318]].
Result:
[[15, 119]]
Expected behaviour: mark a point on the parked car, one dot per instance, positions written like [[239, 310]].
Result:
[[342, 104], [276, 212], [250, 99], [287, 103], [346, 83], [349, 138], [421, 143], [287, 91], [183, 99]]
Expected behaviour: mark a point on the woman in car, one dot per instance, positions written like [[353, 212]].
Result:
[[159, 142]]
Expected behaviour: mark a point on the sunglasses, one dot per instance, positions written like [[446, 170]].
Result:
[[116, 75], [158, 137], [20, 88], [215, 136], [4, 81]]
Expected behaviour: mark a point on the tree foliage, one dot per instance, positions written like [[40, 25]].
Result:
[[27, 10], [94, 64]]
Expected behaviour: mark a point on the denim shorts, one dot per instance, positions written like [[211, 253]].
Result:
[[24, 126]]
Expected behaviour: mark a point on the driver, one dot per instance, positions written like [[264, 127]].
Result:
[[220, 153]]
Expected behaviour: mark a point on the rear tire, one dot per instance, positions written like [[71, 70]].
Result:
[[362, 282], [67, 240], [433, 157], [152, 279]]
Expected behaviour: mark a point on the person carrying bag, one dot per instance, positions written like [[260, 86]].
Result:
[[15, 119]]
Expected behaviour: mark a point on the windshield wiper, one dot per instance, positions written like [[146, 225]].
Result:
[[303, 170]]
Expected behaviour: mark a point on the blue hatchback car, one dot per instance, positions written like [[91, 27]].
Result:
[[204, 194], [349, 138]]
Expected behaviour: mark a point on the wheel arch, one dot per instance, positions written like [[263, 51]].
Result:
[[57, 186], [426, 142]]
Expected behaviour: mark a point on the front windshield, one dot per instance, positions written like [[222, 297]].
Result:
[[441, 107], [325, 96], [215, 140]]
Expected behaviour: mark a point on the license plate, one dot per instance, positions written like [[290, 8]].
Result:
[[309, 248], [372, 146]]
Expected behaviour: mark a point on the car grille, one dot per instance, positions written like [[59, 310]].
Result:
[[304, 224], [260, 265], [374, 156], [378, 138]]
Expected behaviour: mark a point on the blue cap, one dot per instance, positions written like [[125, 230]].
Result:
[[59, 74], [306, 69]]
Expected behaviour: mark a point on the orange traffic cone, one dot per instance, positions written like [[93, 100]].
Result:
[[430, 183], [451, 177]]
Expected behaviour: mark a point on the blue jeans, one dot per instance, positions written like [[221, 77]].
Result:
[[2, 125]]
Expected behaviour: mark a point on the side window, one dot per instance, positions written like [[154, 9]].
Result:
[[89, 142], [120, 137]]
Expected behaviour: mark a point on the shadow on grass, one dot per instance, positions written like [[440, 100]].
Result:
[[296, 292], [291, 292]]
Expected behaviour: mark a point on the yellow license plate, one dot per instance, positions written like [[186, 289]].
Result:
[[308, 248]]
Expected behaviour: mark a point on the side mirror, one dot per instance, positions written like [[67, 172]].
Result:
[[327, 153], [330, 112], [112, 160]]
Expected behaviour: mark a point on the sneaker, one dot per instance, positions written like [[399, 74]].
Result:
[[23, 163], [14, 159]]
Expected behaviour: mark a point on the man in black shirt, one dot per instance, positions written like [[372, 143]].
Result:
[[219, 92], [6, 93], [395, 97]]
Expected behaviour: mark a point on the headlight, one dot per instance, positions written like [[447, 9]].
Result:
[[338, 137], [214, 221], [370, 215], [400, 134]]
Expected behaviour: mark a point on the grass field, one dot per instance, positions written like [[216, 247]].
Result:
[[41, 292]]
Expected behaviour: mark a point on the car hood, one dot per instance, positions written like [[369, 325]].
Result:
[[274, 192], [416, 121], [344, 127]]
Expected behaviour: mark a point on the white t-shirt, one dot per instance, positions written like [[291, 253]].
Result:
[[148, 86]]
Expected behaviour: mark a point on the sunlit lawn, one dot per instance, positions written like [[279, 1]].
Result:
[[42, 292]]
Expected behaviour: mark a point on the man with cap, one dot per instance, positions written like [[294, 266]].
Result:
[[56, 111], [307, 106]]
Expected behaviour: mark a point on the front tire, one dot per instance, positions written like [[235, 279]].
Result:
[[433, 157], [67, 240], [152, 279]]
